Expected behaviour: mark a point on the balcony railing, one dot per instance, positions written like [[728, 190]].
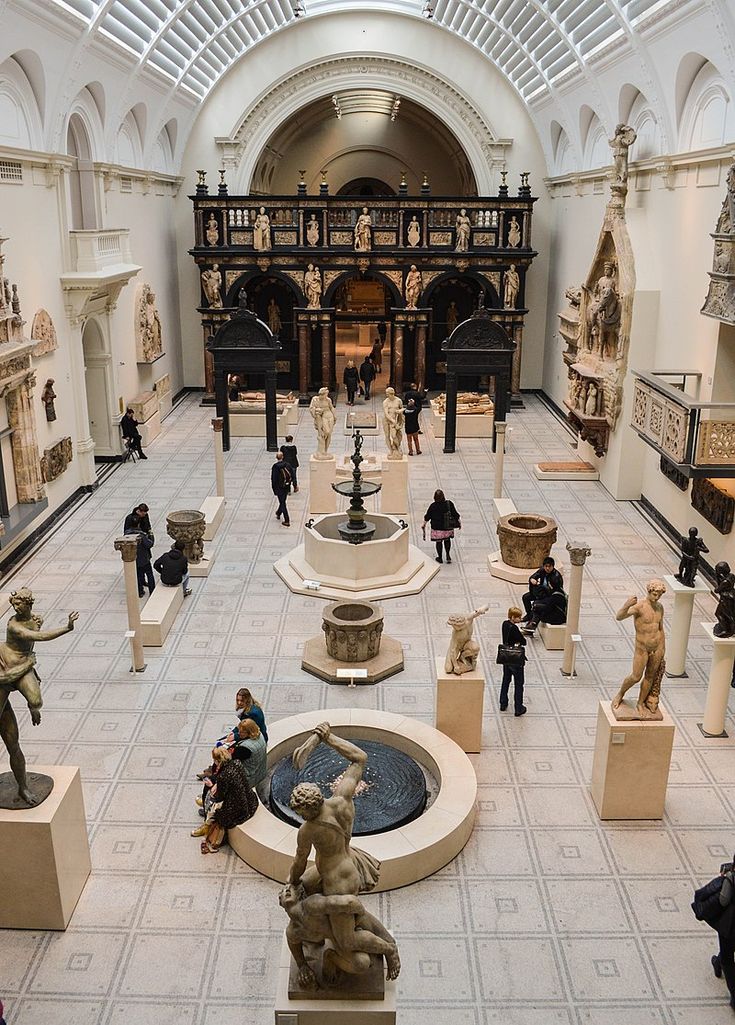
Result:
[[99, 249]]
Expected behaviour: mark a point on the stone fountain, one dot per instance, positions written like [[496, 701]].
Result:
[[356, 528]]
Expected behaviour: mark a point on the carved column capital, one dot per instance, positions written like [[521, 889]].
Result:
[[578, 552], [127, 546], [500, 426], [218, 424]]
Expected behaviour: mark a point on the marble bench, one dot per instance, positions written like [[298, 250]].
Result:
[[213, 508], [158, 614], [552, 636]]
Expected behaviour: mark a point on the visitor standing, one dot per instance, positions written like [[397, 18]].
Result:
[[714, 904], [411, 427], [144, 520], [444, 519], [143, 567], [512, 660], [281, 485], [367, 375], [376, 355], [291, 458], [129, 428], [351, 380], [174, 568]]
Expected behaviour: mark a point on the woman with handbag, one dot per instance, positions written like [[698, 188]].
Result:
[[444, 519], [512, 657]]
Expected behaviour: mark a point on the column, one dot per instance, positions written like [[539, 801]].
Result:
[[450, 423], [718, 685], [84, 447], [219, 455], [678, 639], [23, 441], [271, 424], [397, 350], [420, 354], [578, 554], [515, 379], [304, 356], [223, 406], [128, 546], [326, 355], [499, 458]]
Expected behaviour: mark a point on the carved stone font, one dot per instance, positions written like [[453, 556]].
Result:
[[322, 413], [463, 650], [720, 301], [393, 421], [526, 539], [649, 660], [352, 630], [188, 526], [148, 335]]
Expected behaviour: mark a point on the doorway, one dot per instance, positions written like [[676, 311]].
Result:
[[362, 310], [96, 368]]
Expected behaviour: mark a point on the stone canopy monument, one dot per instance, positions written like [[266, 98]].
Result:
[[720, 300]]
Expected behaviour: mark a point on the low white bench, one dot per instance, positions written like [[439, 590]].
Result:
[[158, 614], [552, 636], [213, 508]]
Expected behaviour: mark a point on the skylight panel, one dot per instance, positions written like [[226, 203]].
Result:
[[163, 64], [84, 9]]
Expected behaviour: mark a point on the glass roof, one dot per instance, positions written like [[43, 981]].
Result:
[[535, 43]]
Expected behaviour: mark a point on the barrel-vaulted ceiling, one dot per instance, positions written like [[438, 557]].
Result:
[[537, 44]]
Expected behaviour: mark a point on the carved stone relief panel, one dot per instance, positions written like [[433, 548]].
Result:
[[144, 405], [55, 459], [716, 442], [43, 333], [148, 332], [710, 501], [340, 238], [285, 238], [673, 474], [385, 238], [241, 238], [440, 238]]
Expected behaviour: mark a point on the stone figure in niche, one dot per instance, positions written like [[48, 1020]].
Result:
[[363, 232], [340, 872], [322, 413], [462, 232], [212, 283], [414, 285], [621, 142], [590, 405], [242, 299], [393, 421], [463, 649], [511, 287], [604, 311], [724, 591], [452, 317], [722, 259], [692, 548], [47, 397], [414, 232], [274, 316], [262, 231], [514, 234], [649, 660], [313, 287], [212, 231], [312, 231], [17, 672], [148, 327]]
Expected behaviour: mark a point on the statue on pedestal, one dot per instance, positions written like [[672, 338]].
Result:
[[313, 287], [262, 231], [312, 231], [462, 232], [324, 417], [414, 232], [620, 143], [463, 649], [590, 404], [48, 396], [17, 672], [212, 231], [363, 232], [393, 421], [692, 547], [514, 234], [274, 316], [511, 287], [321, 900], [724, 591], [413, 288], [211, 283], [649, 660]]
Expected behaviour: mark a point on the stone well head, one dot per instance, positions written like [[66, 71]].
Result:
[[352, 630], [188, 526], [526, 539]]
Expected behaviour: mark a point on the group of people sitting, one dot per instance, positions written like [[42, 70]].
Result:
[[173, 566], [545, 600], [239, 766]]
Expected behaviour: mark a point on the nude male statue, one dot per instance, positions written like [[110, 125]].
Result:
[[17, 672], [463, 648], [650, 648]]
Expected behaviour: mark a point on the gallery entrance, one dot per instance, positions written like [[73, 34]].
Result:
[[362, 315]]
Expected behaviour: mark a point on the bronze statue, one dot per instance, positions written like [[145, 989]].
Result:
[[724, 590], [47, 397], [692, 547], [17, 672]]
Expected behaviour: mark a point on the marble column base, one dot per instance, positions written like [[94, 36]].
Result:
[[458, 707], [44, 855]]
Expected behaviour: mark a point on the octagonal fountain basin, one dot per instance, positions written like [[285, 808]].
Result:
[[525, 539], [385, 567], [409, 851]]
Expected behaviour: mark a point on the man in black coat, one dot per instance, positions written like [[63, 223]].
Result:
[[129, 427], [367, 375], [143, 566], [174, 568], [551, 610], [545, 580], [144, 520], [281, 485]]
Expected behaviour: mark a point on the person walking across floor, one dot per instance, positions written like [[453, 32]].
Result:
[[512, 657], [281, 485], [444, 519], [376, 356], [291, 459], [143, 567], [411, 427], [351, 380], [174, 568], [129, 428], [367, 375]]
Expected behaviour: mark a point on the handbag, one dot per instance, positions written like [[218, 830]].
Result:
[[510, 655], [451, 518]]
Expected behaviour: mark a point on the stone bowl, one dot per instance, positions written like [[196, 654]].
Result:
[[352, 630], [526, 539], [188, 526]]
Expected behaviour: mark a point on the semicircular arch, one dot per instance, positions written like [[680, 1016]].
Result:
[[353, 272]]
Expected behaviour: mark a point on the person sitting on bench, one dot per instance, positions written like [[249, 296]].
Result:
[[174, 568], [551, 610], [545, 580]]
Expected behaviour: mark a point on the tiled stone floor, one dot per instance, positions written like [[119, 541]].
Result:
[[548, 917]]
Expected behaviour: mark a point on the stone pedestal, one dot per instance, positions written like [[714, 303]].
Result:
[[630, 769], [44, 856], [146, 410], [150, 430], [458, 707], [681, 621], [213, 508], [553, 636], [579, 552], [718, 685], [322, 1011], [394, 493], [503, 571], [499, 459], [322, 474]]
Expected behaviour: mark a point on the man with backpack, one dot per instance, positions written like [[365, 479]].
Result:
[[174, 568], [367, 375], [281, 485]]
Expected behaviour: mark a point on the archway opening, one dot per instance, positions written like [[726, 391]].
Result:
[[97, 371], [362, 306], [82, 209]]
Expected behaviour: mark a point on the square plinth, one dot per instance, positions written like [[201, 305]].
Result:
[[317, 661], [630, 769], [394, 492], [323, 1011], [458, 707], [553, 636], [322, 474], [44, 855]]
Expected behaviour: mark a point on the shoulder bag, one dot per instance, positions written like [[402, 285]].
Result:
[[510, 655], [451, 518]]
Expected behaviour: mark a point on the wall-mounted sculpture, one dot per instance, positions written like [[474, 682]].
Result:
[[48, 398], [43, 333], [720, 301], [714, 504], [596, 323], [148, 334], [55, 459]]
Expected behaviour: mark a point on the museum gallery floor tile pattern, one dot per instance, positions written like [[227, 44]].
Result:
[[548, 916]]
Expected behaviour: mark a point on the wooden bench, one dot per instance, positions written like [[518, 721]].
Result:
[[552, 636], [158, 614], [213, 508]]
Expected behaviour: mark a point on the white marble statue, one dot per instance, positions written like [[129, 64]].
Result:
[[621, 142], [463, 231], [262, 231], [414, 233], [324, 417], [148, 334], [312, 231], [212, 283], [212, 231], [590, 405], [463, 649], [393, 423], [511, 287], [313, 287], [363, 232], [514, 233], [413, 288]]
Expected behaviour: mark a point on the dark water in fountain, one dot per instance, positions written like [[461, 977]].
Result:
[[395, 793]]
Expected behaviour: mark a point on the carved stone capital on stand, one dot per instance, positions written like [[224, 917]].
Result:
[[579, 552], [218, 424], [127, 546]]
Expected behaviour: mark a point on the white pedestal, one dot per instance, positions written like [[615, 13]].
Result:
[[252, 425], [150, 430], [394, 493], [553, 636], [503, 571], [322, 474], [580, 471], [44, 855], [458, 707], [201, 569], [630, 769], [213, 508], [681, 621], [718, 685], [330, 1012]]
